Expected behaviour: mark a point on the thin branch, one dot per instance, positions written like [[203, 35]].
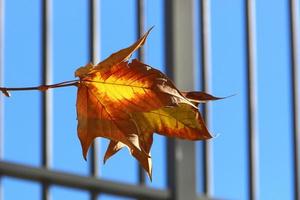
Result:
[[42, 88]]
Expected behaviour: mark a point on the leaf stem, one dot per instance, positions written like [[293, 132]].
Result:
[[42, 88]]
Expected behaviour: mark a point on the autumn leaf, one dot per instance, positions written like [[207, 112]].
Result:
[[126, 102]]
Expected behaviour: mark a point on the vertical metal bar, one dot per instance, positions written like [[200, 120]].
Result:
[[141, 56], [93, 11], [140, 25], [179, 47], [168, 38], [206, 68], [251, 100], [169, 63], [1, 74], [1, 83], [294, 25], [46, 96]]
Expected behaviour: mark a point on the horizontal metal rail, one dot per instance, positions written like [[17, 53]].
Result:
[[81, 182]]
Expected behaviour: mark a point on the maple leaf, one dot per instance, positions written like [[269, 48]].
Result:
[[126, 102]]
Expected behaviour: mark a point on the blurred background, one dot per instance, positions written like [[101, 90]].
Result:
[[244, 47]]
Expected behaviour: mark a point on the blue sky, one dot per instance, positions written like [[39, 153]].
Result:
[[117, 28]]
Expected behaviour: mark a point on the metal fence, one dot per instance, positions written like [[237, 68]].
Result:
[[179, 32]]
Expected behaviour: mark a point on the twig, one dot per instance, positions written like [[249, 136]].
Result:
[[42, 88]]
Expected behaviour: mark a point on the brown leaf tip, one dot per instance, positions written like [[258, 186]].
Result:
[[5, 92], [84, 70]]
